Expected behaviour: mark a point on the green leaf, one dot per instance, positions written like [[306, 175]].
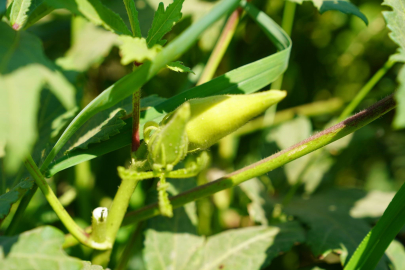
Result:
[[18, 13], [90, 46], [340, 5], [331, 228], [396, 22], [249, 248], [163, 22], [135, 49], [24, 71], [133, 18], [3, 7], [37, 10], [399, 120], [179, 67], [100, 128], [173, 241], [40, 248], [246, 79], [11, 197]]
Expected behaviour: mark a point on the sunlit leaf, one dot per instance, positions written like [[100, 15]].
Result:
[[24, 72], [179, 67], [135, 49], [90, 45], [163, 22], [396, 254]]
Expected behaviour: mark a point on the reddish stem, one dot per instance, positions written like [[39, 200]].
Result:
[[136, 107]]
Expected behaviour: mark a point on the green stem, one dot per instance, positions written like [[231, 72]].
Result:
[[366, 89], [268, 164], [11, 229], [84, 183], [71, 226], [116, 215], [220, 48], [286, 24]]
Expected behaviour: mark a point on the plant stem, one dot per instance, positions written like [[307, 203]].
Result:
[[286, 24], [270, 163], [71, 226], [136, 114], [220, 47], [116, 215], [366, 89]]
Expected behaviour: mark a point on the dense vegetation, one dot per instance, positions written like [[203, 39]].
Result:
[[160, 118]]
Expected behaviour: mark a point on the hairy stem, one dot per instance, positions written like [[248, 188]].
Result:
[[136, 111], [60, 211], [270, 163], [220, 47]]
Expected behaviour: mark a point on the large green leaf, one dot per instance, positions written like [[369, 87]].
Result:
[[133, 18], [396, 23], [331, 228], [11, 197], [171, 243], [340, 5], [246, 79], [163, 22], [40, 248], [90, 44], [249, 248], [24, 71]]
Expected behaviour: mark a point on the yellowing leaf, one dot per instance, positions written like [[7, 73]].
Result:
[[135, 49]]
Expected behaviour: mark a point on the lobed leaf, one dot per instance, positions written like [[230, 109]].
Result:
[[40, 248], [396, 23], [24, 72], [163, 22], [133, 18], [179, 67], [136, 50]]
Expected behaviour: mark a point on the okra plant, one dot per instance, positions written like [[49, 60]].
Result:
[[163, 139]]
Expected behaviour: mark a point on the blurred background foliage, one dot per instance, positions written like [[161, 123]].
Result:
[[333, 56]]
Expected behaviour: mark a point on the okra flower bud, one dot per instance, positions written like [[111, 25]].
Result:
[[212, 118], [167, 146]]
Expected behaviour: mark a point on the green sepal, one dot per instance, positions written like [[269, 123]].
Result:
[[168, 144]]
